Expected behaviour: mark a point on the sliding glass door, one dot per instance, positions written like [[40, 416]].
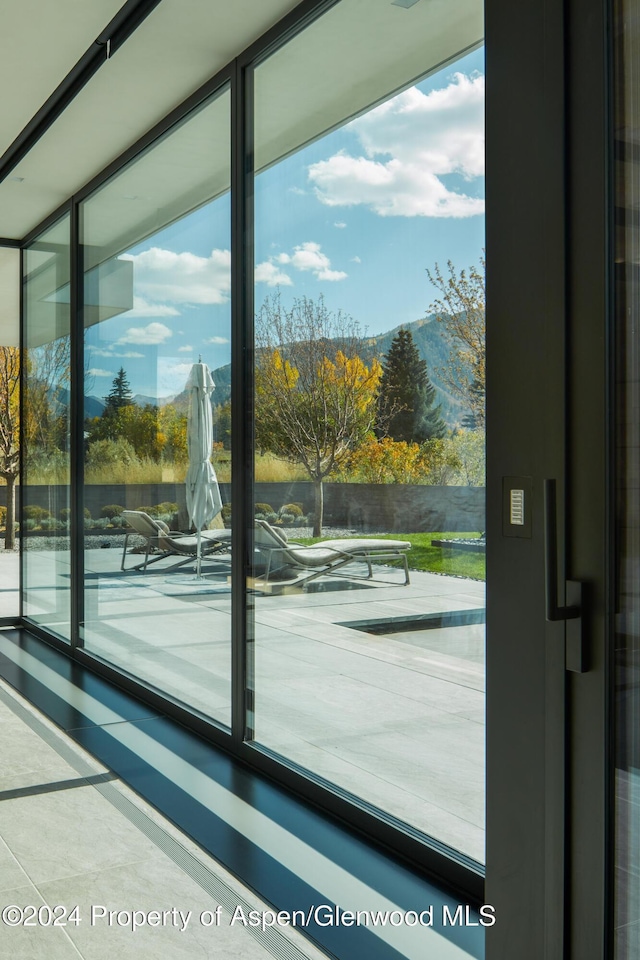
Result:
[[45, 491], [156, 306], [369, 411]]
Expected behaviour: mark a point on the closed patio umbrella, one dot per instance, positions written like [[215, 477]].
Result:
[[203, 493]]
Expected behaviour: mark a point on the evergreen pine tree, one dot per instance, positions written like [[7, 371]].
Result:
[[120, 394], [474, 420], [406, 398]]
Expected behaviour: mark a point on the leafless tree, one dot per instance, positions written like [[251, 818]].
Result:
[[461, 310]]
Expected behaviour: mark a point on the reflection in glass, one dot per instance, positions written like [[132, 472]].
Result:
[[627, 635], [156, 244], [9, 430], [369, 410], [45, 492]]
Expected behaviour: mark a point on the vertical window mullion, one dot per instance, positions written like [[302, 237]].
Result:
[[22, 435], [76, 430], [242, 397]]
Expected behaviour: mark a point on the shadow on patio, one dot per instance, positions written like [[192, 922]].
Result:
[[375, 686]]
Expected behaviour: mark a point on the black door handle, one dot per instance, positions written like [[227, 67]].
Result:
[[572, 612]]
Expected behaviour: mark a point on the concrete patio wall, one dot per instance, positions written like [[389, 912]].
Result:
[[362, 506], [386, 506]]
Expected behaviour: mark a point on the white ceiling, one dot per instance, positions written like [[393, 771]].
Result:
[[176, 49], [40, 41]]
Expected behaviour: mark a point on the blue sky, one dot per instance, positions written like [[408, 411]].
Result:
[[357, 216]]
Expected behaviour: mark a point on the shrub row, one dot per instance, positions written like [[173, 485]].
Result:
[[111, 515], [36, 517], [288, 514]]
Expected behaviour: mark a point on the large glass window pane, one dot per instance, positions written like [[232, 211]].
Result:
[[45, 506], [369, 410], [9, 429], [156, 244]]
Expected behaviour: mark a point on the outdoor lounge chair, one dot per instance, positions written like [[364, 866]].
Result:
[[159, 537], [326, 557]]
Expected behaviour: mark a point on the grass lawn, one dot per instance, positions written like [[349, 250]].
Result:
[[422, 556]]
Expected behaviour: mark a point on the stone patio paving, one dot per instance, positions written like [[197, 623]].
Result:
[[396, 717], [9, 583]]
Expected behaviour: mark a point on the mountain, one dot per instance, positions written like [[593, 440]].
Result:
[[59, 397], [141, 400], [427, 336], [426, 333], [431, 344], [93, 407]]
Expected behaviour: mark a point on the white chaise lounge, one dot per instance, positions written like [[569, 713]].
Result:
[[158, 537], [326, 557]]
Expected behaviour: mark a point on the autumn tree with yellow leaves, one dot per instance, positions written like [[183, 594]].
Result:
[[10, 433], [396, 461], [139, 426], [315, 399], [44, 421]]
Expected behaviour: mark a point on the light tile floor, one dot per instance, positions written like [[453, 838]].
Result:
[[71, 836]]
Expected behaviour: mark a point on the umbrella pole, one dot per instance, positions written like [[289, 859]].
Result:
[[198, 554]]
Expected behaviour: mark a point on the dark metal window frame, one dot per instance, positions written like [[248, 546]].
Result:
[[455, 871]]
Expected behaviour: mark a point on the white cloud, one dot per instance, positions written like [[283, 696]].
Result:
[[309, 257], [142, 308], [186, 349], [356, 260], [331, 275], [162, 277], [110, 352], [267, 272], [172, 375], [340, 224], [216, 340], [151, 335], [98, 372], [409, 143]]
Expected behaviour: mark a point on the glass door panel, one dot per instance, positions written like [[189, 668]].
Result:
[[156, 246], [9, 430], [369, 411], [45, 507]]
